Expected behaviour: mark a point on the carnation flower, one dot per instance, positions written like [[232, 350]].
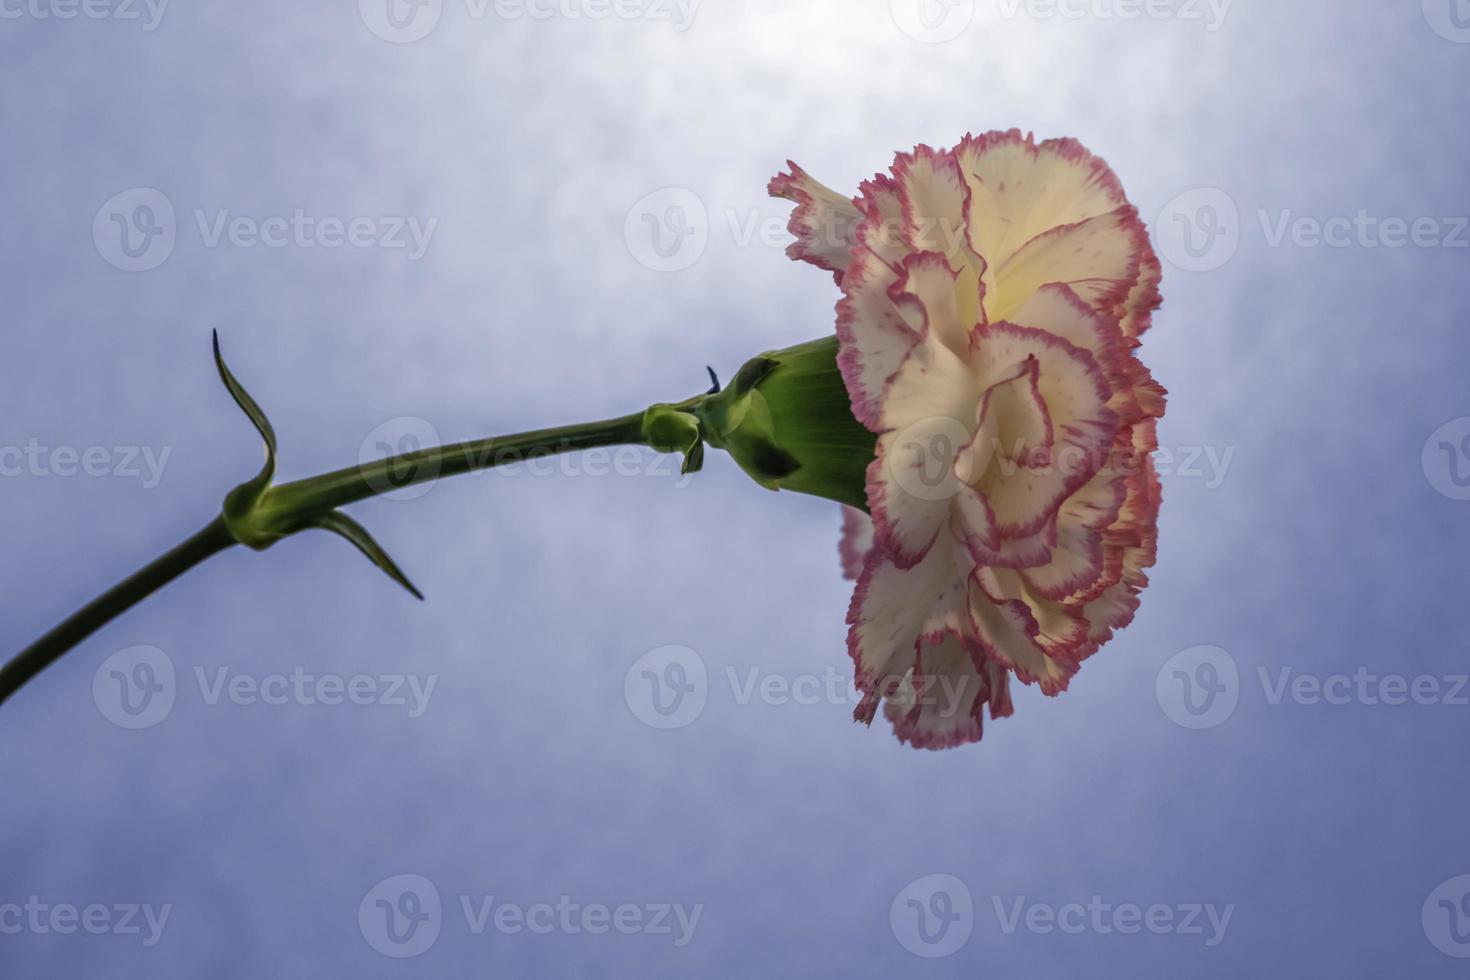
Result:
[[993, 296], [980, 413]]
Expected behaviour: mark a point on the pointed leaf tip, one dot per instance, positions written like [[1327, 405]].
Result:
[[252, 411], [340, 524]]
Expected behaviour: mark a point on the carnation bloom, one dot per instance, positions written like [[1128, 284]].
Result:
[[992, 300], [979, 411]]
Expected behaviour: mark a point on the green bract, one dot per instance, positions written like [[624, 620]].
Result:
[[787, 420]]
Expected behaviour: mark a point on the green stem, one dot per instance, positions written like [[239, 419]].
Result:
[[292, 507], [291, 504], [112, 603]]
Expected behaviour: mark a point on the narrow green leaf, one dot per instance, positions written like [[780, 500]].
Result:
[[257, 418], [693, 460], [339, 523]]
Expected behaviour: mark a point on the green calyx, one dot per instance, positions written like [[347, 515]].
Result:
[[787, 420]]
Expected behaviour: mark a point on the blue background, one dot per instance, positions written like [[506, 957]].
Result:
[[1325, 547]]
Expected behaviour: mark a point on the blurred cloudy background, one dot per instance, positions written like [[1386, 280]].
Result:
[[459, 218]]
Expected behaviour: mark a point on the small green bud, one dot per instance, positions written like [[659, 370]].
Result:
[[787, 420]]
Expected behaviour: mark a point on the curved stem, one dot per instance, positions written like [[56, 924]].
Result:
[[291, 507], [290, 504], [112, 603]]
